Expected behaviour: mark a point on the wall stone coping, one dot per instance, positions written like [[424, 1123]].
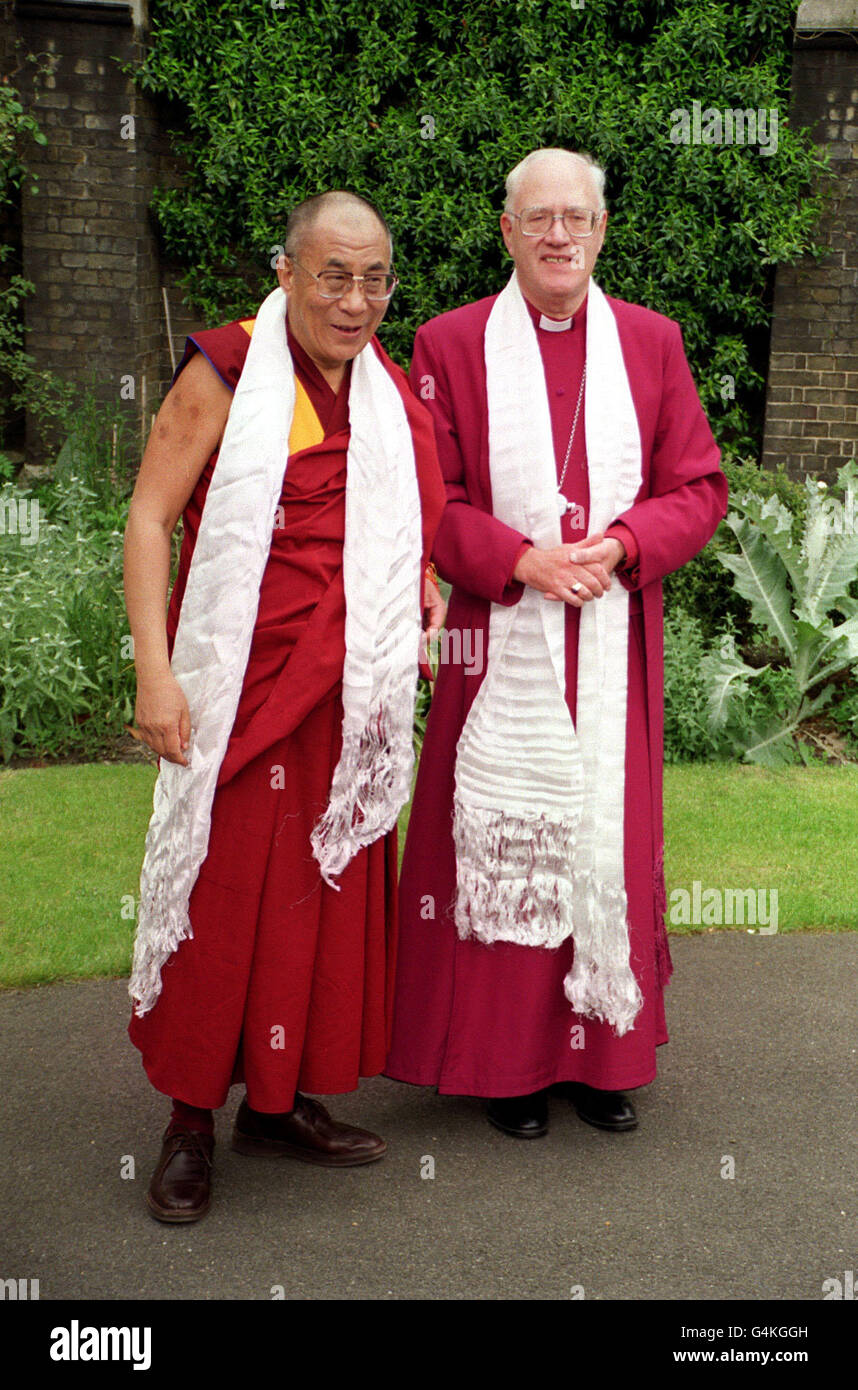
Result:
[[122, 12], [828, 19]]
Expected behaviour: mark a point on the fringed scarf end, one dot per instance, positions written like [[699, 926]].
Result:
[[161, 928], [371, 785], [513, 879]]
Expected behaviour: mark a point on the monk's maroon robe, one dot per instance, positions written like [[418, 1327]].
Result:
[[286, 983], [483, 1020]]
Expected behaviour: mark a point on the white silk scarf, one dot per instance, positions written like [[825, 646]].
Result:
[[381, 575], [539, 802]]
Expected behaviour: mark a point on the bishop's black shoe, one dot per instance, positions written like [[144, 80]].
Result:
[[524, 1117], [604, 1109]]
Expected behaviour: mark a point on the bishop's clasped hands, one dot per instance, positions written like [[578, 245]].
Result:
[[596, 555]]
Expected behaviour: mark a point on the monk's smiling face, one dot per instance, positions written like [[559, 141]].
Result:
[[333, 331], [554, 269]]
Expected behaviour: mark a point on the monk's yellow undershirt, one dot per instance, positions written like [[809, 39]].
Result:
[[306, 426]]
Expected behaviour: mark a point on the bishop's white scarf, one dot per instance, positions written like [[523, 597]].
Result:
[[539, 804], [381, 564]]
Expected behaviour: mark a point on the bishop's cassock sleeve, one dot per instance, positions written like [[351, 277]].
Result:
[[688, 491], [473, 550]]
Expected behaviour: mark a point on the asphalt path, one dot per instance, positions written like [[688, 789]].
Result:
[[758, 1080]]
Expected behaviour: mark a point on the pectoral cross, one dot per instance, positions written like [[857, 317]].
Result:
[[563, 505]]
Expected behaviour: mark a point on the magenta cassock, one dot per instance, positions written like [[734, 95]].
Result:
[[482, 1020]]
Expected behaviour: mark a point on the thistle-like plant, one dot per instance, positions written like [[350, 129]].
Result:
[[799, 592]]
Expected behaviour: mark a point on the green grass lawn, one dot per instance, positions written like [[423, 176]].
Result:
[[72, 843], [744, 827], [70, 849]]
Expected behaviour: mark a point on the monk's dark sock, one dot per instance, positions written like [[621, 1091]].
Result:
[[192, 1118], [270, 1115]]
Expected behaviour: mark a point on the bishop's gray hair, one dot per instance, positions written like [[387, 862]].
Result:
[[515, 176]]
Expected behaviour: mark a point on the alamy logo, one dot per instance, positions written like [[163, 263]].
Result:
[[725, 907], [76, 1343], [455, 647], [19, 516], [19, 1289], [733, 126], [844, 1289], [839, 517]]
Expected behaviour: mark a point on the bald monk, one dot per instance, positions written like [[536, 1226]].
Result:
[[279, 696]]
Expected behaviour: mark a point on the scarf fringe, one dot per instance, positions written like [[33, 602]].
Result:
[[170, 925], [513, 876], [371, 783], [515, 884], [601, 983], [168, 862]]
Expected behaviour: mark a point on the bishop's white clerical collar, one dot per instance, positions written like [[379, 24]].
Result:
[[554, 325]]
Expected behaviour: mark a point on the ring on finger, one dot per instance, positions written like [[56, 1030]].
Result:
[[576, 587]]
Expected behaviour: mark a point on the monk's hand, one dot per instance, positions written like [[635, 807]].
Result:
[[163, 718], [554, 574], [434, 610]]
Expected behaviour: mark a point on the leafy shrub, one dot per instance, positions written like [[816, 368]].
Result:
[[101, 449], [799, 594], [425, 108], [66, 667], [687, 733], [844, 711], [700, 589], [689, 736], [66, 678]]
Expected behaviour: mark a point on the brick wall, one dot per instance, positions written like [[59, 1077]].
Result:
[[90, 247], [812, 395]]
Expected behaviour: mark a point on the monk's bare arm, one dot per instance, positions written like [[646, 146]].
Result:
[[185, 433]]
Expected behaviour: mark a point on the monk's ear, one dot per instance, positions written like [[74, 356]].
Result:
[[285, 273]]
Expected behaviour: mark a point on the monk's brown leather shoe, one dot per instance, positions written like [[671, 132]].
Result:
[[180, 1189], [307, 1133]]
